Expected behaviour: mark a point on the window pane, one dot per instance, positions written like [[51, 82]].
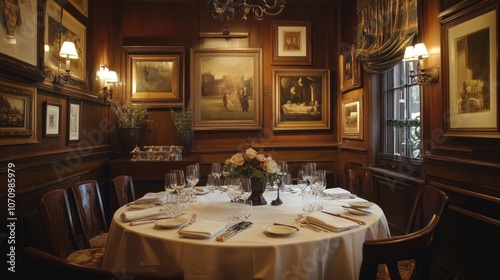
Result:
[[402, 103]]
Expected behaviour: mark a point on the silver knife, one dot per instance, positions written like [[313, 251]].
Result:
[[231, 233], [348, 218]]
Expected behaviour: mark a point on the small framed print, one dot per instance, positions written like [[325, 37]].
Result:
[[291, 41], [52, 119], [350, 71], [352, 118], [74, 121]]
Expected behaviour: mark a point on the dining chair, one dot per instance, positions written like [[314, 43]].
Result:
[[408, 256], [360, 183], [88, 202], [124, 185], [58, 224], [42, 265]]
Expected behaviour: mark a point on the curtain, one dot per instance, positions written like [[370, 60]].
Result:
[[385, 29]]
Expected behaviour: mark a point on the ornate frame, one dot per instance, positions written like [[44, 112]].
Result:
[[352, 118], [161, 88], [305, 111], [471, 94], [284, 31], [18, 125], [217, 71]]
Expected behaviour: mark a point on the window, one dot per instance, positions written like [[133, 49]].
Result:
[[401, 101]]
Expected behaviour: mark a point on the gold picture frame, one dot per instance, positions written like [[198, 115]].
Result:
[[18, 116], [291, 42], [226, 89], [156, 75], [301, 99], [470, 74], [352, 118], [350, 70]]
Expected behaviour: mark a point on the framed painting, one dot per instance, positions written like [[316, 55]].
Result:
[[17, 114], [156, 75], [352, 118], [350, 70], [291, 41], [226, 89], [21, 44], [52, 119], [81, 5], [55, 33], [301, 99], [448, 7], [74, 121], [470, 72]]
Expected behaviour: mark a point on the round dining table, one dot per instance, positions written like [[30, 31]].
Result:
[[252, 253]]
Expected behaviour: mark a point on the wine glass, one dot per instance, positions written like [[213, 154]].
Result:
[[217, 172], [169, 182], [246, 191], [302, 184], [210, 183], [282, 171], [318, 186], [234, 193], [180, 181], [192, 176]]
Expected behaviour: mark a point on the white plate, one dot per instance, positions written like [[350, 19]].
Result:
[[356, 211], [201, 190], [140, 206], [280, 230], [171, 223], [361, 204]]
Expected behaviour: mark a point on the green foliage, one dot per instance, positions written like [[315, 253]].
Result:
[[183, 119], [129, 115]]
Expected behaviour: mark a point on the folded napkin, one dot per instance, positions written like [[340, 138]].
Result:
[[140, 214], [333, 223], [150, 198], [339, 193], [203, 229]]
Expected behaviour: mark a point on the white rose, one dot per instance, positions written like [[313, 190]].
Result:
[[251, 153], [271, 165]]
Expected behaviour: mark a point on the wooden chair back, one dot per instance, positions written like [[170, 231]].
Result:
[[55, 212], [360, 183], [41, 265], [124, 186], [418, 244], [90, 209]]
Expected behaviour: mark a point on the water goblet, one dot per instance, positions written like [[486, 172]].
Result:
[[210, 183], [193, 177], [234, 193], [246, 191], [302, 184], [180, 181], [217, 172]]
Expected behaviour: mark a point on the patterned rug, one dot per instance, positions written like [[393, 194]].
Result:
[[405, 270]]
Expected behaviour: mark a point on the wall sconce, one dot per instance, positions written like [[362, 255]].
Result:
[[225, 9], [109, 78], [422, 76], [68, 51]]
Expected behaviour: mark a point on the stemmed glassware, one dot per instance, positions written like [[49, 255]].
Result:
[[234, 193], [179, 181], [318, 186], [210, 183], [246, 191], [192, 176], [282, 171], [217, 172]]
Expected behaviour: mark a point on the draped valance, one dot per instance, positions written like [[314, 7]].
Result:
[[385, 29]]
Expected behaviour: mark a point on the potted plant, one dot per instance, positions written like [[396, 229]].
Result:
[[131, 120], [183, 121]]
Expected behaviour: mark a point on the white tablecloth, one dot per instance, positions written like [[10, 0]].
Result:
[[250, 254]]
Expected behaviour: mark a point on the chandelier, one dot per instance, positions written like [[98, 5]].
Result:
[[225, 9]]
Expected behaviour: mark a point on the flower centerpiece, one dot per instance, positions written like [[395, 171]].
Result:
[[259, 166], [131, 120]]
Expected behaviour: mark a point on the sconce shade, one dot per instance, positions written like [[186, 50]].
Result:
[[112, 77], [420, 51], [409, 54], [68, 50]]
